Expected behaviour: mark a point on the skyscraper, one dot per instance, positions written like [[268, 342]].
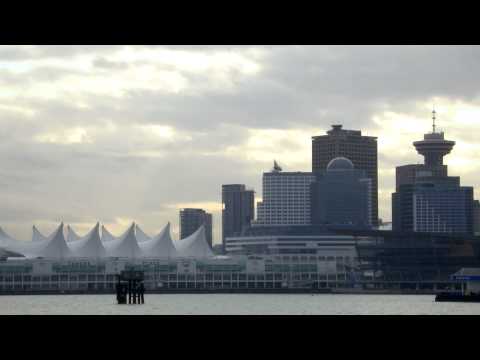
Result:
[[426, 198], [341, 195], [238, 209], [192, 219], [286, 198], [361, 150]]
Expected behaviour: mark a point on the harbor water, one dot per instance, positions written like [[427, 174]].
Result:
[[233, 304]]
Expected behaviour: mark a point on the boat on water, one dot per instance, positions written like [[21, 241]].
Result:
[[470, 280], [457, 297]]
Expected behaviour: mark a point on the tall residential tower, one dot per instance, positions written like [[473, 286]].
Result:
[[192, 219], [286, 198], [238, 209]]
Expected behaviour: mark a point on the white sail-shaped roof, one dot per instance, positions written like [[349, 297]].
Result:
[[53, 246], [4, 237], [160, 246], [125, 246], [37, 235], [107, 235], [88, 246], [194, 245], [140, 234], [72, 235]]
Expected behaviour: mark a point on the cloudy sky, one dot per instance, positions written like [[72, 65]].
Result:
[[133, 133]]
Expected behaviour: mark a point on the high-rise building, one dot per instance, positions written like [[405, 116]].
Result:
[[351, 144], [192, 219], [442, 205], [286, 198], [426, 198], [476, 217], [341, 195], [238, 209]]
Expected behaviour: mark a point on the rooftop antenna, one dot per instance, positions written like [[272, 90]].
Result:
[[276, 167], [433, 118]]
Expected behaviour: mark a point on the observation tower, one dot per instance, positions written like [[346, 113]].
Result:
[[434, 147]]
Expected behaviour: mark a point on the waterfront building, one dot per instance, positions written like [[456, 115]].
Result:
[[238, 209], [192, 219], [168, 265], [293, 240], [341, 194], [94, 246], [426, 198], [412, 260], [361, 150], [286, 198]]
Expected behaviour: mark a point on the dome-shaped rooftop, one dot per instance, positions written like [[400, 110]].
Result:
[[340, 163]]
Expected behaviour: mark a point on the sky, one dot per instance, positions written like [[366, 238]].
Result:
[[118, 134]]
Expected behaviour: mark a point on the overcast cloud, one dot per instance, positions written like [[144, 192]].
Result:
[[133, 133]]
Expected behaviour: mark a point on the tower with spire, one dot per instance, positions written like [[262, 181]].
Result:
[[426, 198], [434, 147]]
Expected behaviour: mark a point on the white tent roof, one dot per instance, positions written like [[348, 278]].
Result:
[[125, 246], [53, 246], [107, 235], [141, 235], [89, 245], [159, 246], [4, 237], [37, 235], [194, 245], [72, 235]]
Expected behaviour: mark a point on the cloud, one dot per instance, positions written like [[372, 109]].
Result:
[[124, 133]]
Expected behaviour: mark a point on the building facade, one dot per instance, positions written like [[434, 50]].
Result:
[[238, 209], [426, 198], [476, 217], [341, 195], [192, 219], [442, 206], [286, 198], [361, 150]]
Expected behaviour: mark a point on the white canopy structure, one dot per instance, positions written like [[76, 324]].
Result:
[[134, 243], [107, 235], [125, 246], [194, 245], [4, 237], [88, 246], [141, 235], [72, 235], [53, 246], [37, 235], [160, 246]]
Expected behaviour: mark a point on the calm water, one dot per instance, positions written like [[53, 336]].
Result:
[[219, 304]]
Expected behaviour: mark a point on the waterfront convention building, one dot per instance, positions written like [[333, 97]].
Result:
[[90, 263]]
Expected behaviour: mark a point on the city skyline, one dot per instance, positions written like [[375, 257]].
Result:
[[91, 131]]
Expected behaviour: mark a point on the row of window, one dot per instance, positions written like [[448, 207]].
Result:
[[172, 278]]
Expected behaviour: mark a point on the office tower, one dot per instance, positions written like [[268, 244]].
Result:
[[192, 219], [442, 205], [351, 144], [341, 195], [426, 198], [476, 217], [286, 198], [238, 209]]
